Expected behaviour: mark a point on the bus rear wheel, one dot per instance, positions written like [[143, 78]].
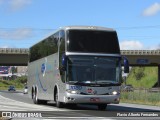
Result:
[[58, 104], [102, 106], [36, 100]]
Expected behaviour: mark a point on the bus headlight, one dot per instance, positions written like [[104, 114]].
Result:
[[115, 93], [73, 91]]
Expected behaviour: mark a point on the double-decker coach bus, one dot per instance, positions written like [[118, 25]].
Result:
[[76, 64]]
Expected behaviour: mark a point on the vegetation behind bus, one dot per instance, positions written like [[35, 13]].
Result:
[[19, 83], [141, 96], [142, 79]]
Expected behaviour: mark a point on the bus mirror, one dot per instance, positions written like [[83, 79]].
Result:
[[126, 65], [64, 62]]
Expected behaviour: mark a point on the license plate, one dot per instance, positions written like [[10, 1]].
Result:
[[94, 99]]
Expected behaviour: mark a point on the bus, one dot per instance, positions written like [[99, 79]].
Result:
[[77, 65]]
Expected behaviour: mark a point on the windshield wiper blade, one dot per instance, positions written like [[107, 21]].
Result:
[[107, 82], [76, 82], [88, 81], [72, 82]]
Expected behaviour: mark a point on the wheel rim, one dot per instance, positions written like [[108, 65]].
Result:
[[36, 97], [56, 97]]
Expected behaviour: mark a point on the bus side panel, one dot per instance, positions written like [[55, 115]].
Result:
[[43, 74], [30, 80]]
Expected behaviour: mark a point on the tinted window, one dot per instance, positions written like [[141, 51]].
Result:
[[93, 41], [44, 48], [62, 42], [61, 52], [93, 69]]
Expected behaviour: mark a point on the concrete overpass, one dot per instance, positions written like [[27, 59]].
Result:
[[142, 57], [19, 57], [13, 56]]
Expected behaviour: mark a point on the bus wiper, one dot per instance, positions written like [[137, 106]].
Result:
[[72, 82], [81, 82], [107, 82], [75, 82], [90, 82]]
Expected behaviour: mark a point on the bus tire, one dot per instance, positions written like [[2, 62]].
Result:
[[102, 106], [58, 103], [36, 100]]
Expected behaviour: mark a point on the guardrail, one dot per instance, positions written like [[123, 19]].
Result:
[[123, 52], [14, 51], [140, 52], [154, 90]]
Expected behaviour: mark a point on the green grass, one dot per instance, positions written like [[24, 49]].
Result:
[[141, 97], [18, 83], [147, 81]]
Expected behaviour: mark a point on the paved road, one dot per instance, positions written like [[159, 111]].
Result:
[[17, 101]]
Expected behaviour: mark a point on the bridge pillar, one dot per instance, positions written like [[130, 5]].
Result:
[[159, 75]]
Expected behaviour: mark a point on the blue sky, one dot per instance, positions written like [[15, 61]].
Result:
[[25, 22]]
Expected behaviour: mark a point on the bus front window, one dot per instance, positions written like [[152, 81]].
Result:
[[90, 69], [107, 70], [80, 69]]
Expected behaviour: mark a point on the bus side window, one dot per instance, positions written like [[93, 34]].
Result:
[[61, 52], [44, 48]]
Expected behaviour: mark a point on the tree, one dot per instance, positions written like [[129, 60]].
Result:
[[139, 73]]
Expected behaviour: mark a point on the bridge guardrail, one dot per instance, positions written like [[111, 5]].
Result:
[[14, 50], [123, 52], [140, 52]]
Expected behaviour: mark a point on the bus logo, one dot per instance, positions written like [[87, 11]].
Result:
[[43, 68], [89, 90], [75, 87]]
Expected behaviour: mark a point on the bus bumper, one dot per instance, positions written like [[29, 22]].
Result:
[[77, 98]]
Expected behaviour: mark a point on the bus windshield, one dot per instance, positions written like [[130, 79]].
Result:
[[93, 41], [90, 69]]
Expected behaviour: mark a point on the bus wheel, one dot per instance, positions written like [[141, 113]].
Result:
[[102, 106], [36, 100], [58, 104]]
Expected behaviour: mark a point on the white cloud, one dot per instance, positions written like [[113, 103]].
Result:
[[18, 34], [131, 45], [156, 47], [152, 10], [18, 4], [14, 5]]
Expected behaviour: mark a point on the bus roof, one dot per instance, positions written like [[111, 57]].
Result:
[[77, 28], [87, 28]]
